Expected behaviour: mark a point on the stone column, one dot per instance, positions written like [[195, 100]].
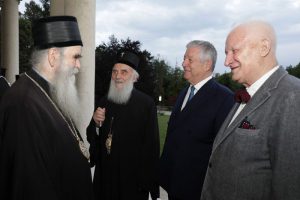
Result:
[[84, 11], [57, 7], [10, 39]]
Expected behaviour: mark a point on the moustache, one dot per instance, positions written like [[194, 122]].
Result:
[[119, 81]]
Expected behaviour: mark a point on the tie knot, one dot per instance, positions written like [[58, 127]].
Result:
[[192, 89], [242, 96]]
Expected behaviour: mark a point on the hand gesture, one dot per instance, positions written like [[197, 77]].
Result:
[[99, 116]]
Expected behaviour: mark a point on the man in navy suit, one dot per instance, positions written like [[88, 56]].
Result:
[[199, 112]]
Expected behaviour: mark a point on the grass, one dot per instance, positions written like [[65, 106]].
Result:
[[163, 124]]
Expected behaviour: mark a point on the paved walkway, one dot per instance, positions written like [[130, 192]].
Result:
[[165, 112]]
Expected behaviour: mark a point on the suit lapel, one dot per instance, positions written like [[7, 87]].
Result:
[[202, 95], [179, 102], [259, 98], [224, 126]]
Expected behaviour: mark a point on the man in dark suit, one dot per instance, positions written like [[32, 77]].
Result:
[[193, 125], [256, 153]]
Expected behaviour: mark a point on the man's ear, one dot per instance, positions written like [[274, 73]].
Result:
[[135, 78], [53, 56], [265, 47], [208, 65]]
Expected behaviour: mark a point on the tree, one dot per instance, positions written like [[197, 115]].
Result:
[[177, 83], [295, 71], [169, 81], [226, 80], [32, 12], [25, 44], [161, 70]]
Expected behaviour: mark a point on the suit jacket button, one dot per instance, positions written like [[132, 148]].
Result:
[[209, 165]]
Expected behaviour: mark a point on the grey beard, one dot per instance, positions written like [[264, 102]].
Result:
[[64, 93], [120, 96]]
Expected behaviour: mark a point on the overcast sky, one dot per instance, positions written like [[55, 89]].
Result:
[[164, 27]]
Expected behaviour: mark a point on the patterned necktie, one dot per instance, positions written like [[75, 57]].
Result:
[[191, 93]]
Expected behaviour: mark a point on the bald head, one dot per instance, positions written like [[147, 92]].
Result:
[[258, 30], [250, 51]]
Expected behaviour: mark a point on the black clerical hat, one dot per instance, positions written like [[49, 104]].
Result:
[[130, 59], [56, 31]]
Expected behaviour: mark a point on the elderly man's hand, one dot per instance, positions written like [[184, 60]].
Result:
[[99, 116]]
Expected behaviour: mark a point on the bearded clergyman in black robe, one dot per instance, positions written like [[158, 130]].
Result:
[[42, 155], [126, 150]]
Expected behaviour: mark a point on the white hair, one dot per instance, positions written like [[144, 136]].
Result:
[[207, 51], [122, 96]]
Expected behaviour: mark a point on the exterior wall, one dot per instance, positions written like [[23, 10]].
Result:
[[10, 39]]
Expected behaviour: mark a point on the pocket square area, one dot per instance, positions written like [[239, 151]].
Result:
[[245, 124]]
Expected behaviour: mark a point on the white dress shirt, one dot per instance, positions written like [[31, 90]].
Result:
[[253, 89]]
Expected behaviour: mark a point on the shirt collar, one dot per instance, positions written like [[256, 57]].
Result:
[[257, 84], [201, 83]]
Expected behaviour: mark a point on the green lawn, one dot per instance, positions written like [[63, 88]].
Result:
[[163, 124]]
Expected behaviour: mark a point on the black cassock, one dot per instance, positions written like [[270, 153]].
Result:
[[39, 156], [129, 171], [3, 86]]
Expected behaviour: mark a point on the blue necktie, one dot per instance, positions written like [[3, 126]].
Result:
[[191, 93]]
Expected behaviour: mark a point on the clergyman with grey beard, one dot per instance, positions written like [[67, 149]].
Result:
[[42, 155], [125, 151]]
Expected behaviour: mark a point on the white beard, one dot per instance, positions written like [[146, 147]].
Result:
[[120, 96], [64, 93]]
